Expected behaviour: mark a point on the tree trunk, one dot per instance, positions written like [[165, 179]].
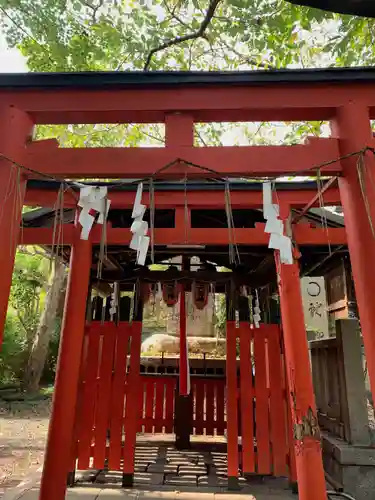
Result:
[[39, 351]]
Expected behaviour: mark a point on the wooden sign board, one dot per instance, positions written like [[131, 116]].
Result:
[[315, 308]]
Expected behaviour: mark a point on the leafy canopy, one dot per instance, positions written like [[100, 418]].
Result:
[[79, 35]]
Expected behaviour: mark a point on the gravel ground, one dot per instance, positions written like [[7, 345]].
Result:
[[23, 432]]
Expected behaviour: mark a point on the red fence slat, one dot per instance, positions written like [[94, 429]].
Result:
[[210, 407], [159, 405], [118, 396], [89, 397], [277, 402], [220, 407], [142, 406], [232, 416], [198, 422], [247, 399], [261, 404], [132, 401], [170, 388], [104, 394], [79, 406], [149, 405]]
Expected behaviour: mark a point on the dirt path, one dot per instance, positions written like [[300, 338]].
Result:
[[23, 432]]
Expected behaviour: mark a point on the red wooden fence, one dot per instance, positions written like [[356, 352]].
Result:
[[157, 404], [262, 392], [115, 401], [108, 395], [208, 406]]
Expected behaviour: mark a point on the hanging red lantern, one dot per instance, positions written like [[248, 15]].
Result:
[[170, 293], [200, 294]]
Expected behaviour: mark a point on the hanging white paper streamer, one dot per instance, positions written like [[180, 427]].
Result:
[[140, 241], [275, 228], [256, 316], [114, 301], [138, 209], [93, 201]]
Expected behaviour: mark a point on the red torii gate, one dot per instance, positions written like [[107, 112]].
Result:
[[345, 97]]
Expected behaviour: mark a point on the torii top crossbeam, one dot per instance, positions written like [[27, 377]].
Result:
[[180, 100]]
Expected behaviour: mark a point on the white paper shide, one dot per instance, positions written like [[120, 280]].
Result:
[[275, 227], [140, 241], [256, 316], [95, 206]]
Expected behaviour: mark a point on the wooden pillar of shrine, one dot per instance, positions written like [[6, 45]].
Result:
[[184, 400], [60, 434], [353, 129], [232, 305], [306, 435], [15, 130]]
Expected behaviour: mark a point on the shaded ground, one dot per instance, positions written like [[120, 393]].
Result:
[[23, 432]]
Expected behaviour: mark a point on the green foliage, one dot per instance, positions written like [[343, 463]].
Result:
[[13, 354], [25, 305], [29, 277], [221, 315], [60, 35]]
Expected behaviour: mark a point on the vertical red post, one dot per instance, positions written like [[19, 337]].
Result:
[[184, 385], [232, 408], [309, 464], [353, 129], [15, 129], [179, 130], [60, 434], [133, 396], [179, 134]]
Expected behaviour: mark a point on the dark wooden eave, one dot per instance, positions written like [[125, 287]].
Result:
[[363, 8], [174, 79]]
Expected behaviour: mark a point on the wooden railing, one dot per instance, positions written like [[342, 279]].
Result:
[[329, 385], [339, 383]]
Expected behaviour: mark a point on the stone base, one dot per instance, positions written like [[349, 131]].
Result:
[[351, 467]]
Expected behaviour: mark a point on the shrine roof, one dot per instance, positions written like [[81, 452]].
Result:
[[163, 79]]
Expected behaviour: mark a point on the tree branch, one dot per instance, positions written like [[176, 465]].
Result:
[[23, 324], [172, 13], [200, 137], [247, 59], [22, 249], [94, 9], [191, 36]]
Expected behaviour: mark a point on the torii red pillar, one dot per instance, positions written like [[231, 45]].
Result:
[[353, 129], [60, 434], [15, 129], [308, 453]]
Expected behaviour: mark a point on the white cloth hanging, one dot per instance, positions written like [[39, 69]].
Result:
[[140, 242], [275, 228], [95, 204]]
